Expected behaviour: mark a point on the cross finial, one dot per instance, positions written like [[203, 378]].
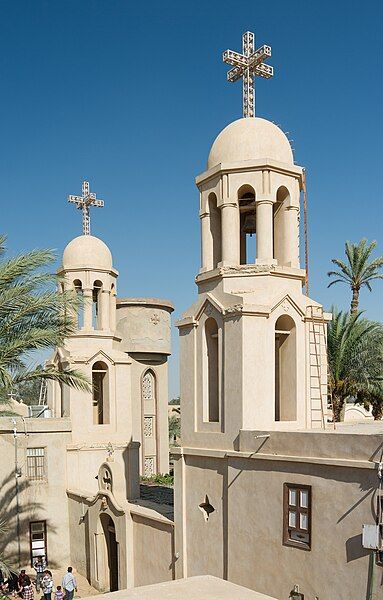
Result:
[[248, 65], [84, 202]]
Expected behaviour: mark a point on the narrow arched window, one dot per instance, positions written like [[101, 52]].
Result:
[[149, 441], [96, 305], [215, 229], [80, 310], [211, 371], [285, 369], [100, 393], [247, 225], [279, 225]]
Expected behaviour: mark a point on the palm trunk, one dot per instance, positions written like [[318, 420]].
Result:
[[337, 406], [355, 300]]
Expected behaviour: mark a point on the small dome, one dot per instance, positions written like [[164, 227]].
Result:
[[87, 251], [250, 139]]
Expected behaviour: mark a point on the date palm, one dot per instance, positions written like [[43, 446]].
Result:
[[34, 316], [358, 271], [355, 356]]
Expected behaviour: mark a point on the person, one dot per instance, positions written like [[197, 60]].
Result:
[[59, 594], [27, 588], [20, 582], [47, 585], [39, 565], [69, 584]]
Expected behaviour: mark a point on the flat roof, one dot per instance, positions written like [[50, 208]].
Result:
[[160, 302], [204, 587]]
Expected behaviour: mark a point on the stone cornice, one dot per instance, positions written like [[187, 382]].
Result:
[[250, 271], [250, 165]]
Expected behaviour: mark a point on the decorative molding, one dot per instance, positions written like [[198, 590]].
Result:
[[148, 386], [286, 306], [148, 427], [236, 309], [246, 269], [155, 319], [149, 466]]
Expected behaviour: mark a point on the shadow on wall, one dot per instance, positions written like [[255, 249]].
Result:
[[15, 551]]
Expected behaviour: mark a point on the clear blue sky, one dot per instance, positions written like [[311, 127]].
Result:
[[130, 95]]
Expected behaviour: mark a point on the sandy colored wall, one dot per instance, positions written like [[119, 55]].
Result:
[[242, 539], [38, 500], [153, 551], [79, 534]]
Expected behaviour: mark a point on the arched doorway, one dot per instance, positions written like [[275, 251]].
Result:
[[112, 553]]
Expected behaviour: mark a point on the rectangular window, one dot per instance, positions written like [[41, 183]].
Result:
[[38, 540], [36, 464], [297, 515]]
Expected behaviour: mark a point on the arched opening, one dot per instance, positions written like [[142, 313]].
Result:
[[215, 229], [149, 445], [285, 369], [96, 304], [112, 551], [100, 393], [211, 405], [77, 284], [247, 225], [279, 225]]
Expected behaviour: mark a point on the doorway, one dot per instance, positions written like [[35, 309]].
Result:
[[111, 551]]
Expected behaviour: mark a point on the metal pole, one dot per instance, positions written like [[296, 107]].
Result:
[[17, 496]]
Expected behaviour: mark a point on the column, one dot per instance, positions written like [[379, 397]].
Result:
[[291, 237], [112, 309], [264, 218], [104, 306], [206, 243], [230, 233], [88, 307]]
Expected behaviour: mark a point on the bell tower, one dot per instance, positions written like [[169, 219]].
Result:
[[253, 346]]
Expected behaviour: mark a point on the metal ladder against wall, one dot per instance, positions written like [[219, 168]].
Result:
[[43, 392], [318, 336]]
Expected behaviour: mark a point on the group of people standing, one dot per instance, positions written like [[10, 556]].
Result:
[[23, 587]]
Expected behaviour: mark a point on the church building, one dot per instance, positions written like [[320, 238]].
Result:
[[76, 498], [267, 494]]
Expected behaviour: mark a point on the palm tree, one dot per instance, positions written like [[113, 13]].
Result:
[[355, 356], [174, 429], [358, 271], [34, 316]]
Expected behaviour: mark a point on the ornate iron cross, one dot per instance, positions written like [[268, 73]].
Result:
[[248, 65], [84, 203]]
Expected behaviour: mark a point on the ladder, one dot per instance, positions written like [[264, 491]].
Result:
[[318, 337], [43, 392]]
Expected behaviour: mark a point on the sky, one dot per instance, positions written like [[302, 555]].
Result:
[[131, 95]]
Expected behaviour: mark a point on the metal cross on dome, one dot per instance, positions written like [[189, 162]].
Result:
[[84, 203], [248, 65]]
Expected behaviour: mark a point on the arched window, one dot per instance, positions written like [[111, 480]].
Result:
[[100, 389], [80, 313], [211, 404], [285, 369], [149, 442], [247, 224], [215, 229], [96, 305], [279, 225]]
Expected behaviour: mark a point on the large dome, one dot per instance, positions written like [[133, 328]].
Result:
[[87, 251], [250, 139]]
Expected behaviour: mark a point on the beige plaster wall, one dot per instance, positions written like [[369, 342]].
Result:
[[153, 551], [144, 325], [38, 500], [79, 534], [242, 539], [157, 363]]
